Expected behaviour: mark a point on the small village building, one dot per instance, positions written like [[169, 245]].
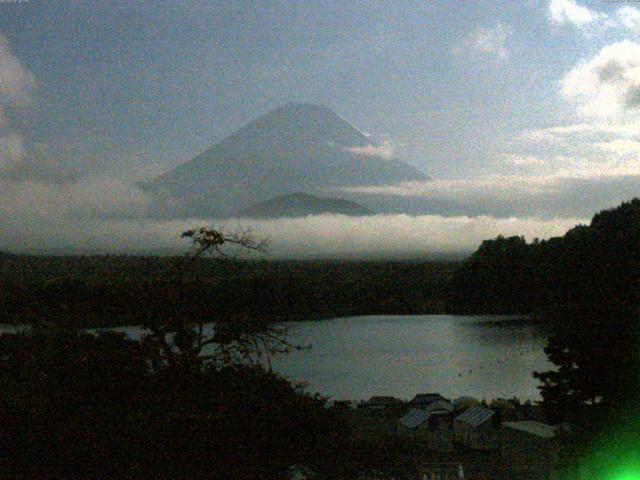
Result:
[[441, 412], [423, 400], [430, 427], [440, 406], [383, 403], [476, 428], [435, 417], [529, 450], [413, 421]]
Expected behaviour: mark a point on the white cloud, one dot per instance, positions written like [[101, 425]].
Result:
[[623, 147], [584, 150], [608, 85], [562, 12], [491, 40], [16, 82], [384, 150], [625, 20], [629, 17]]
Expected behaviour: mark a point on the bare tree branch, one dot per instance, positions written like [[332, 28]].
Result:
[[185, 341]]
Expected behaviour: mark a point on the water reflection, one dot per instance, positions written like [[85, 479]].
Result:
[[402, 355]]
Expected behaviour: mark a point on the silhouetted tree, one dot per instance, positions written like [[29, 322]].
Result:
[[183, 340], [595, 351]]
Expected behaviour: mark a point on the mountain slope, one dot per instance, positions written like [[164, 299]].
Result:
[[301, 205], [298, 147]]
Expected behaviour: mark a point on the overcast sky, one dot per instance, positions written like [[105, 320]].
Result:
[[484, 96]]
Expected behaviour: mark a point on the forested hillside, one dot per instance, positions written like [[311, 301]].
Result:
[[589, 264], [118, 290]]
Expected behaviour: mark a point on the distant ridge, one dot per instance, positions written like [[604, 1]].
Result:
[[297, 147], [301, 205]]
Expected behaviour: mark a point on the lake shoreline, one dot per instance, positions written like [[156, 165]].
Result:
[[128, 321], [400, 355]]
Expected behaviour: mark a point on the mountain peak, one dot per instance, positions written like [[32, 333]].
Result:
[[304, 121], [303, 106], [298, 146]]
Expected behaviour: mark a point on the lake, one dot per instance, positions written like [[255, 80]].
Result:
[[358, 357]]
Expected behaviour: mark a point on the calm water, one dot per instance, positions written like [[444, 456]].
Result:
[[357, 357]]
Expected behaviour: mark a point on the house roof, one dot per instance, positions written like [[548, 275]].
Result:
[[386, 400], [426, 398], [440, 406], [532, 427], [475, 416], [415, 418]]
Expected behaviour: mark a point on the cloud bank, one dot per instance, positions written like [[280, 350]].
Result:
[[322, 236], [100, 215], [503, 196], [609, 83], [564, 12], [626, 19]]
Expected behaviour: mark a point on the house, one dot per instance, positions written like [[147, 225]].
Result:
[[431, 427], [423, 400], [383, 403], [414, 420], [530, 450], [476, 428], [440, 406]]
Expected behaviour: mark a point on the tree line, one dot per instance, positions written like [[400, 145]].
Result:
[[118, 290], [590, 264]]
